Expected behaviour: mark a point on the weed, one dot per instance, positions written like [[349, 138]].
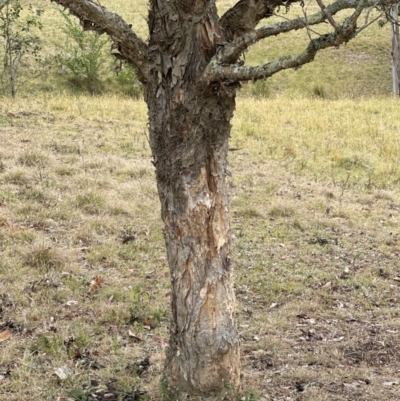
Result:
[[250, 396], [319, 91], [51, 344], [16, 177], [66, 148], [250, 214], [20, 43], [65, 171], [32, 159], [33, 194], [90, 202], [261, 89], [42, 256], [281, 211]]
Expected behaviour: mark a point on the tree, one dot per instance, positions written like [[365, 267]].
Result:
[[394, 29], [83, 56], [191, 69], [18, 42]]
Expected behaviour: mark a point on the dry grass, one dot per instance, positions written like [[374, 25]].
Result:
[[361, 68], [315, 217]]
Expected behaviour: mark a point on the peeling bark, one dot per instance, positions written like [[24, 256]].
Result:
[[244, 16], [203, 357], [190, 72], [189, 133]]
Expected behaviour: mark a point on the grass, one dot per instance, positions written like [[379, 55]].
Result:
[[314, 218], [315, 210], [361, 68]]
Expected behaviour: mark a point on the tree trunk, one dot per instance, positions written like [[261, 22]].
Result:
[[189, 138], [190, 69], [394, 11], [189, 132]]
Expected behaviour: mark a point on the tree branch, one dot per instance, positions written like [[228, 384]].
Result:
[[243, 73], [245, 15], [222, 65], [128, 45], [3, 4], [328, 15]]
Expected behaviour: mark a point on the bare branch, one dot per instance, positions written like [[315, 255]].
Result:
[[328, 15], [3, 4], [246, 14], [217, 71], [307, 26], [227, 55], [128, 45], [243, 73]]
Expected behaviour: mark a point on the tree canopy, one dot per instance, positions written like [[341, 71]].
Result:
[[234, 32]]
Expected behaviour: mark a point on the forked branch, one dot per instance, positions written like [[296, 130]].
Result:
[[328, 15], [223, 65], [97, 18], [245, 15], [4, 3]]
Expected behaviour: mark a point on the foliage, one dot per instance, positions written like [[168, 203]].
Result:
[[127, 81], [88, 65], [83, 56], [19, 43], [261, 89]]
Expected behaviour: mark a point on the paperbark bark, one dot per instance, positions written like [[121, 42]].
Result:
[[190, 69], [189, 133]]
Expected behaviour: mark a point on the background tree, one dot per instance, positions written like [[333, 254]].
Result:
[[191, 68], [83, 56], [18, 42], [84, 60], [394, 20]]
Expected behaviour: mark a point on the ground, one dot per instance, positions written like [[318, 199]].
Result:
[[84, 297]]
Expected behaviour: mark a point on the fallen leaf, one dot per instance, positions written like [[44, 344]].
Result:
[[337, 339], [306, 317], [129, 238], [132, 335], [5, 335], [96, 283], [354, 384], [63, 372], [302, 316]]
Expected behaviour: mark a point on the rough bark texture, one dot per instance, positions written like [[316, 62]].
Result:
[[189, 132], [190, 71]]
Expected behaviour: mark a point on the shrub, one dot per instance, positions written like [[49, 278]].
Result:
[[83, 56]]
